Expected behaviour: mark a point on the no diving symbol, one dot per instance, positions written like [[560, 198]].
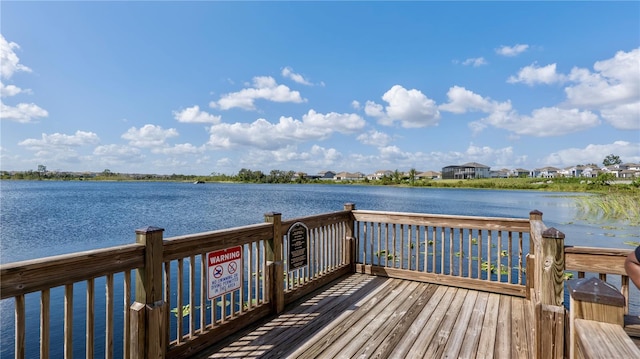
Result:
[[217, 272], [233, 266]]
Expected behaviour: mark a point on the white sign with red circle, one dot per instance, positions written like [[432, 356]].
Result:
[[224, 271]]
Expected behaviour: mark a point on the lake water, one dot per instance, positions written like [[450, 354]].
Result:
[[40, 219]]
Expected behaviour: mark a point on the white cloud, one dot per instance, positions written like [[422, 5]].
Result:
[[194, 115], [23, 112], [613, 89], [512, 51], [593, 153], [179, 149], [374, 138], [623, 117], [462, 100], [356, 105], [288, 73], [265, 135], [59, 140], [9, 61], [543, 122], [534, 74], [265, 88], [11, 90], [475, 62], [410, 107], [149, 136]]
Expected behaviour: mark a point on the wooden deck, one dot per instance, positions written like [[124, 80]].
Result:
[[365, 316]]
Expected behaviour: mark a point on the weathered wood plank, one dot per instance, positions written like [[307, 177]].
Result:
[[357, 329], [503, 329], [184, 246], [610, 264], [474, 329], [49, 272], [416, 328], [461, 282], [437, 345], [377, 330], [489, 325], [603, 340], [457, 337], [402, 326], [519, 341], [426, 336], [315, 314]]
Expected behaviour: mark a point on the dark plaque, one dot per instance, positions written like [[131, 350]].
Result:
[[298, 239]]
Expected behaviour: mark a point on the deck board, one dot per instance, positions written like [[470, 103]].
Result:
[[361, 316]]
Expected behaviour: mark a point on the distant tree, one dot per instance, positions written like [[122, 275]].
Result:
[[42, 170], [106, 173], [611, 160], [412, 176], [397, 176]]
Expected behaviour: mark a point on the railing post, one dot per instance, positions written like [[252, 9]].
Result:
[[274, 255], [547, 290], [349, 239], [552, 286], [535, 251], [149, 314], [593, 299]]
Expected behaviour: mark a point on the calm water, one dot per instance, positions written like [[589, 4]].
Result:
[[47, 218]]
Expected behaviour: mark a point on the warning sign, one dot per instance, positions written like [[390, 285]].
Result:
[[224, 271]]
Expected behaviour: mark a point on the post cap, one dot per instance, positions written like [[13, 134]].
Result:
[[594, 290], [149, 229], [552, 233]]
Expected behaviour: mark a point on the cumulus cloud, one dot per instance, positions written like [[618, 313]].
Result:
[[288, 73], [179, 149], [11, 90], [475, 62], [613, 88], [22, 112], [264, 87], [410, 107], [59, 140], [374, 138], [462, 100], [533, 74], [543, 122], [594, 153], [9, 60], [265, 135], [511, 51], [10, 64], [195, 115], [149, 136]]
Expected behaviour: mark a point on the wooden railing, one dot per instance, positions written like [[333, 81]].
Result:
[[472, 252], [156, 299]]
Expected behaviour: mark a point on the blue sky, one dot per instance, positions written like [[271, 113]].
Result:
[[203, 87]]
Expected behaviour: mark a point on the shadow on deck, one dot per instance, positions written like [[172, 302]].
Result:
[[366, 316]]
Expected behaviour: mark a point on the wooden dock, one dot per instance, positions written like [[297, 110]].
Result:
[[368, 284], [362, 316]]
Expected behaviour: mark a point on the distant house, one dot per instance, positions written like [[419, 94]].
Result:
[[466, 171], [503, 173], [379, 174], [590, 172], [519, 172], [545, 172], [326, 175], [346, 176], [428, 175]]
